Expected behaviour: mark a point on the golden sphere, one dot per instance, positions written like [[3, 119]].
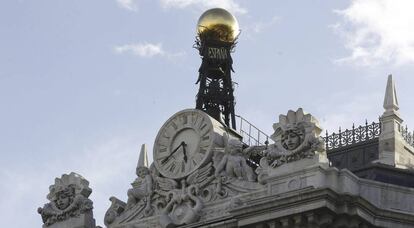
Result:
[[218, 24]]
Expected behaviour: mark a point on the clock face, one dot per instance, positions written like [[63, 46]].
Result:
[[184, 143]]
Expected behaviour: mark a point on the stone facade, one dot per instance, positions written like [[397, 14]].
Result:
[[293, 184]]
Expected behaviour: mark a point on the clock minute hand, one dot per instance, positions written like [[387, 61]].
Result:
[[169, 156]]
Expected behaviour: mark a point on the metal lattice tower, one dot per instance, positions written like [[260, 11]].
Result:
[[215, 94]]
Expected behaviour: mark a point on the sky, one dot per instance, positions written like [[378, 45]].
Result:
[[84, 83]]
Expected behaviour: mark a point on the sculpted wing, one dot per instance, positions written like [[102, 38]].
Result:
[[164, 185], [218, 156], [202, 176]]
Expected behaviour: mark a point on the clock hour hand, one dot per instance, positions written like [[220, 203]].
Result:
[[175, 150], [184, 151]]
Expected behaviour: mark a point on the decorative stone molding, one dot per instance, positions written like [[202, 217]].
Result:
[[295, 195], [182, 201], [68, 199], [117, 208], [297, 137]]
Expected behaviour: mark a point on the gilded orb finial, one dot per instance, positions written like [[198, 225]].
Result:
[[218, 24]]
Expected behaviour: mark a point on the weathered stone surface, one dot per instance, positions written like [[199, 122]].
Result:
[[176, 203], [393, 149], [308, 193], [69, 205], [296, 138], [297, 188], [82, 221], [320, 190]]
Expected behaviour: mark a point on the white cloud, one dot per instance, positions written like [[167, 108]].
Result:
[[141, 49], [377, 32], [230, 5], [131, 5], [146, 50]]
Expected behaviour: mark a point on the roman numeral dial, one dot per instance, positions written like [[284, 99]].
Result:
[[185, 142]]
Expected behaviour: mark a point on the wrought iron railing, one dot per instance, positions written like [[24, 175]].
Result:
[[252, 136], [352, 136], [407, 136]]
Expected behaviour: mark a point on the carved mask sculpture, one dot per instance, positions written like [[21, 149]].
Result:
[[234, 146], [68, 198], [295, 131], [296, 137], [64, 197], [291, 139]]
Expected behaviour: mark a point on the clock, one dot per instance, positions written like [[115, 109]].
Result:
[[185, 142]]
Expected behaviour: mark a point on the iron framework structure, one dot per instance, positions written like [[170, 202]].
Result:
[[215, 94]]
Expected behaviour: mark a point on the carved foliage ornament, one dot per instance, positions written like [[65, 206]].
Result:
[[68, 198]]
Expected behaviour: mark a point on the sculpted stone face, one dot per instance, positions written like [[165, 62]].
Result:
[[235, 146], [62, 201], [68, 198], [142, 172], [291, 140]]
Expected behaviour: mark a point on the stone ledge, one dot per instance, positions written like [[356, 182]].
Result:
[[316, 200], [82, 221]]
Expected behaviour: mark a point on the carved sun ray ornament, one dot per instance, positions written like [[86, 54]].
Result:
[[296, 132], [296, 137], [68, 198]]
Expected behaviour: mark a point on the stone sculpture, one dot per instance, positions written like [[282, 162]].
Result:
[[296, 137], [68, 199], [139, 196], [116, 209], [181, 201], [232, 162], [142, 187]]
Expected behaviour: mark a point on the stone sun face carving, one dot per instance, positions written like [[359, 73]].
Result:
[[64, 197], [68, 198], [291, 139], [294, 130], [296, 136]]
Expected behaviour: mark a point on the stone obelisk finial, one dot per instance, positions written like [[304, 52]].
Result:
[[391, 143], [390, 99], [143, 157]]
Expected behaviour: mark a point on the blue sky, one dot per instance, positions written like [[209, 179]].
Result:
[[84, 83]]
